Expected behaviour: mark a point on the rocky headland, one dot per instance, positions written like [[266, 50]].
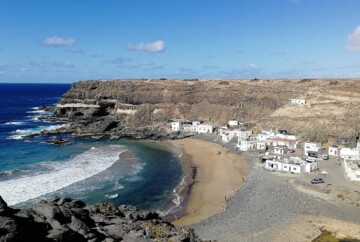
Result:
[[143, 108], [65, 219]]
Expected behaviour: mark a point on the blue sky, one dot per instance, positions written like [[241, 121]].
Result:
[[65, 41]]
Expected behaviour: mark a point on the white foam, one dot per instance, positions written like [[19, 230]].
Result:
[[61, 174], [13, 123], [36, 111], [35, 108], [21, 133], [111, 196]]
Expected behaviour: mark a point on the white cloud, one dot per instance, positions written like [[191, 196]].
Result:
[[154, 47], [353, 42], [58, 41]]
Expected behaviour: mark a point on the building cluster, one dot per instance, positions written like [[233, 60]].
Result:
[[279, 144]]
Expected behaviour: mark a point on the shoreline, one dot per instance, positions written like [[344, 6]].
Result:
[[218, 175]]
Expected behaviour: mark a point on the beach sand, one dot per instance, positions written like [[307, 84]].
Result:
[[218, 175]]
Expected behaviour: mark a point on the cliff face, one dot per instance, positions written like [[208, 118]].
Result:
[[142, 108]]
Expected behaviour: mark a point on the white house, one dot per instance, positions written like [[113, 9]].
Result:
[[264, 135], [243, 134], [189, 128], [281, 150], [334, 150], [227, 135], [261, 145], [176, 125], [233, 123], [276, 141], [312, 149], [350, 154], [204, 129], [278, 165], [286, 136], [245, 145], [352, 169], [293, 164], [297, 101]]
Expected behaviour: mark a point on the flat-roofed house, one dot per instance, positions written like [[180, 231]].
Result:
[[312, 149]]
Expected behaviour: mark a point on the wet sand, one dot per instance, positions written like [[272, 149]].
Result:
[[219, 174]]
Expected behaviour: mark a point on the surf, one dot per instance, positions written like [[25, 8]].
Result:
[[60, 174]]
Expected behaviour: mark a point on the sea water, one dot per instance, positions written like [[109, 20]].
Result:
[[140, 173]]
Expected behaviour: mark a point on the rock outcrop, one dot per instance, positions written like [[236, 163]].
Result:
[[66, 219], [143, 108]]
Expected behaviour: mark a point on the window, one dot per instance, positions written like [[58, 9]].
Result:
[[294, 168]]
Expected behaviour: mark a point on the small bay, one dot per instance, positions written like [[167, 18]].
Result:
[[141, 173]]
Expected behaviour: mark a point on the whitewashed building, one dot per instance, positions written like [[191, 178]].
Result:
[[264, 135], [176, 126], [293, 164], [334, 150], [243, 134], [352, 169], [276, 141], [297, 101], [233, 123], [312, 149], [261, 145], [227, 135], [286, 136], [281, 150], [204, 129], [350, 153], [245, 145]]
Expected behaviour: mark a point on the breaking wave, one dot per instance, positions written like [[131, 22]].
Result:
[[22, 133], [60, 174]]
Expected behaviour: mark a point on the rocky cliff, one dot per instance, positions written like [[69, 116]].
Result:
[[71, 220], [143, 108]]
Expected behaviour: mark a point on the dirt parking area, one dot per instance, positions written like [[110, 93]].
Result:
[[335, 187]]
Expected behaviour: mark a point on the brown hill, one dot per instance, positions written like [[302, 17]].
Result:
[[142, 108]]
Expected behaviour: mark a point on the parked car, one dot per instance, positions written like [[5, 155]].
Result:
[[317, 181], [325, 157]]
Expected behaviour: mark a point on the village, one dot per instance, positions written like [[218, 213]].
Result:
[[280, 151]]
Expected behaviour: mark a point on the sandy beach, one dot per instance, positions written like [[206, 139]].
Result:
[[219, 174]]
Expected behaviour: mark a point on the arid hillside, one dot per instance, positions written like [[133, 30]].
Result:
[[130, 107]]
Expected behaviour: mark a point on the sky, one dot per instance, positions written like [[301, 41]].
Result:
[[65, 41]]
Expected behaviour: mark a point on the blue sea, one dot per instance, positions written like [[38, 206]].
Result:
[[141, 173]]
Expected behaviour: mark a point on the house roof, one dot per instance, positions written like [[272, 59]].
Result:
[[281, 140]]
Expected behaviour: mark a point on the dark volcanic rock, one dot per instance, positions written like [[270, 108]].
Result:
[[66, 219]]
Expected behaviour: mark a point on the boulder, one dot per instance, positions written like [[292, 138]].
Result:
[[65, 219]]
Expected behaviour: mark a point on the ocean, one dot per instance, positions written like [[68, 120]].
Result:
[[141, 173]]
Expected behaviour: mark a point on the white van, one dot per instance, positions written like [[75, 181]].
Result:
[[310, 159]]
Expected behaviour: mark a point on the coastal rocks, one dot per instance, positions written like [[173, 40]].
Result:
[[57, 141], [66, 219]]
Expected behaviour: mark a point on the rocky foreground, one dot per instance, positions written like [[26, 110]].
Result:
[[65, 219]]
